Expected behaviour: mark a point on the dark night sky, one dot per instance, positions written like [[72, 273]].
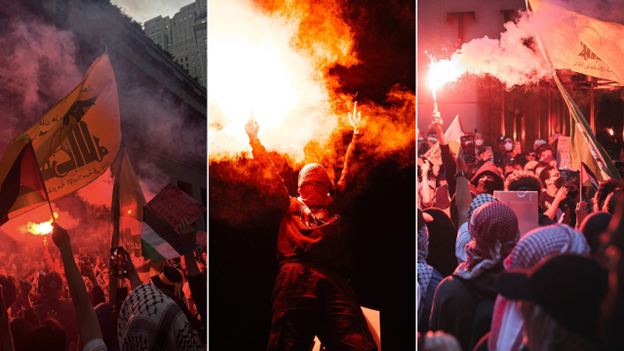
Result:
[[380, 222]]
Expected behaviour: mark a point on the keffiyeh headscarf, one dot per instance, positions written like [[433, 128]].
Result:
[[494, 229], [150, 319], [425, 272], [309, 174], [506, 333]]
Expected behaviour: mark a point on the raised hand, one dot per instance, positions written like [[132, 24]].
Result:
[[60, 237], [186, 230], [355, 119], [252, 128], [561, 193]]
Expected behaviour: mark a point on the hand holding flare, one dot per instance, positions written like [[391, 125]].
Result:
[[356, 119]]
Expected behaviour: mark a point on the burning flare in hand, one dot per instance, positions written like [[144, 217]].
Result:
[[41, 228], [442, 72]]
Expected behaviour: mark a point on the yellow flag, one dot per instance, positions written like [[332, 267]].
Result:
[[77, 140], [583, 44]]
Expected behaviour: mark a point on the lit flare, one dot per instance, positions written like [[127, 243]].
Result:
[[442, 72], [41, 228]]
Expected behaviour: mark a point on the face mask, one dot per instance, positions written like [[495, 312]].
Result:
[[558, 182], [479, 142], [508, 146], [572, 194]]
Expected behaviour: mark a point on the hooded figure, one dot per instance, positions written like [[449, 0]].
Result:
[[441, 241], [311, 296], [506, 333], [487, 180], [464, 302]]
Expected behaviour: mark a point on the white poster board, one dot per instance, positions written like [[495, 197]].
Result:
[[564, 157], [373, 321], [525, 206]]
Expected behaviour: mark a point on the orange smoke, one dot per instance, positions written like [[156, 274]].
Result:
[[272, 61], [41, 228]]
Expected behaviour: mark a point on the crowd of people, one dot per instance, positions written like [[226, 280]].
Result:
[[484, 285], [61, 301]]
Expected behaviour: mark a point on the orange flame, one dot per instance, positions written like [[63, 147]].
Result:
[[129, 211], [442, 72], [610, 130], [41, 228]]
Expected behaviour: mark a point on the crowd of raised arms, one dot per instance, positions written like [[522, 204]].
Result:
[[61, 301], [484, 285]]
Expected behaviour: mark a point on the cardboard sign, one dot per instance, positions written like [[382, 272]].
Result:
[[172, 205], [434, 155], [374, 325], [564, 157], [525, 206]]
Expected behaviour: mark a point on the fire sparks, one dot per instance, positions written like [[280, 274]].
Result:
[[41, 228], [269, 65], [442, 72]]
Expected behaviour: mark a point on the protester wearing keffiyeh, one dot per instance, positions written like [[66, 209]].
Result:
[[494, 229], [463, 235], [506, 333], [149, 319]]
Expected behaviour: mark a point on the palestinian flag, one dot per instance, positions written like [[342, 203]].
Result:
[[588, 175], [159, 240], [21, 183]]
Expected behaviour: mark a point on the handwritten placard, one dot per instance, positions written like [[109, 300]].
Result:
[[172, 205]]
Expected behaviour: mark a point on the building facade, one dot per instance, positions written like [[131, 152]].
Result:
[[163, 110], [184, 36]]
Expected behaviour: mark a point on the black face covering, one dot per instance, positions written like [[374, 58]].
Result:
[[559, 182], [573, 194]]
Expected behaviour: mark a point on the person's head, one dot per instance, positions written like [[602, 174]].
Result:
[[573, 184], [605, 188], [52, 286], [50, 335], [501, 144], [314, 184], [545, 151], [531, 166], [531, 155], [540, 167], [147, 305], [592, 228], [494, 230], [169, 280], [20, 330], [478, 137], [432, 136], [519, 162], [487, 179], [523, 181], [509, 144], [561, 298], [36, 265], [508, 165], [551, 178], [538, 143]]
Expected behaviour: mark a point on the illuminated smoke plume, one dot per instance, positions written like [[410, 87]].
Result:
[[272, 61], [516, 59]]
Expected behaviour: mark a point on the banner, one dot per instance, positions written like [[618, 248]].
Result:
[[583, 144], [77, 140], [570, 40]]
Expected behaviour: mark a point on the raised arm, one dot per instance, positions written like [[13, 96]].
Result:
[[275, 188], [85, 314], [448, 159], [425, 191], [351, 164]]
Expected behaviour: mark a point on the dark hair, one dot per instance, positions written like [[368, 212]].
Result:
[[523, 179], [605, 188], [545, 174], [544, 148], [472, 170], [49, 335]]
